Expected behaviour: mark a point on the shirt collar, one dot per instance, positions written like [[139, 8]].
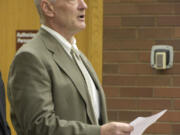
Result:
[[65, 44]]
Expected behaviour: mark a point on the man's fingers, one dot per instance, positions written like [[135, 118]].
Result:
[[125, 127], [116, 128]]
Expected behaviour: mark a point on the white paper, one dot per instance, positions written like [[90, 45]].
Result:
[[141, 123]]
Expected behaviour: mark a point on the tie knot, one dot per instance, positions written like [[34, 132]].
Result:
[[75, 52]]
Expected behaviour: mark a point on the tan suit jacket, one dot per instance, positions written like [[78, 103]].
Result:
[[47, 92]]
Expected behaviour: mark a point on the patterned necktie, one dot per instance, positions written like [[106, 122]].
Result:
[[77, 58]]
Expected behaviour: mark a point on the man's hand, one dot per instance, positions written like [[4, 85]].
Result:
[[116, 128]]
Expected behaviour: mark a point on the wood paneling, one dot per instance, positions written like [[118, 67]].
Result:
[[22, 15], [15, 14]]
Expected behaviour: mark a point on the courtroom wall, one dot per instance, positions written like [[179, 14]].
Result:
[[132, 87]]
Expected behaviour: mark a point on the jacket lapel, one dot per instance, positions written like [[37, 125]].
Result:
[[91, 71], [98, 86], [64, 62]]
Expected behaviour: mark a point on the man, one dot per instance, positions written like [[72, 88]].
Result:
[[48, 88], [4, 128]]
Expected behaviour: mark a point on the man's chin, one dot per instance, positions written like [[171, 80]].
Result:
[[82, 26], [79, 28]]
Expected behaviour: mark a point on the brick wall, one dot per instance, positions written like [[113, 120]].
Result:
[[132, 87]]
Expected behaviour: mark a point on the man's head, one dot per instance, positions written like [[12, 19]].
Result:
[[64, 16], [38, 3]]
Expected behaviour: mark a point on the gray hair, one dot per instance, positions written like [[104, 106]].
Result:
[[37, 3]]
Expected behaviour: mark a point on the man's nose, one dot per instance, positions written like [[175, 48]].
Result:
[[82, 4]]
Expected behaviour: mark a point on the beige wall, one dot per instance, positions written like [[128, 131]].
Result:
[[21, 15]]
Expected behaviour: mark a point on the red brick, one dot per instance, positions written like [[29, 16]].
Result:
[[174, 70], [116, 57], [133, 9], [156, 9], [120, 9], [138, 21], [174, 43], [112, 115], [135, 69], [160, 128], [177, 32], [137, 80], [176, 81], [168, 21], [128, 92], [128, 1], [144, 57], [131, 28], [164, 128], [167, 92], [136, 92], [110, 68], [117, 104], [155, 33], [170, 1], [154, 104], [177, 8], [112, 22], [138, 1], [164, 42], [112, 91], [171, 116], [177, 57], [131, 115], [111, 1], [119, 80], [118, 44], [114, 34], [176, 104], [176, 129]]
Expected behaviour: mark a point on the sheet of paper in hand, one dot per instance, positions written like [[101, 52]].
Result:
[[141, 123]]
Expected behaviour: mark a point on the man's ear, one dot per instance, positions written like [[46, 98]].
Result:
[[47, 8]]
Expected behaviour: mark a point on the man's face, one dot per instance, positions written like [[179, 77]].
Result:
[[70, 15]]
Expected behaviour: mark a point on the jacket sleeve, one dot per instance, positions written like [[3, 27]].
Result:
[[30, 95]]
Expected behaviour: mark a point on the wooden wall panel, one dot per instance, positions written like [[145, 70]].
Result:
[[22, 15], [15, 14]]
